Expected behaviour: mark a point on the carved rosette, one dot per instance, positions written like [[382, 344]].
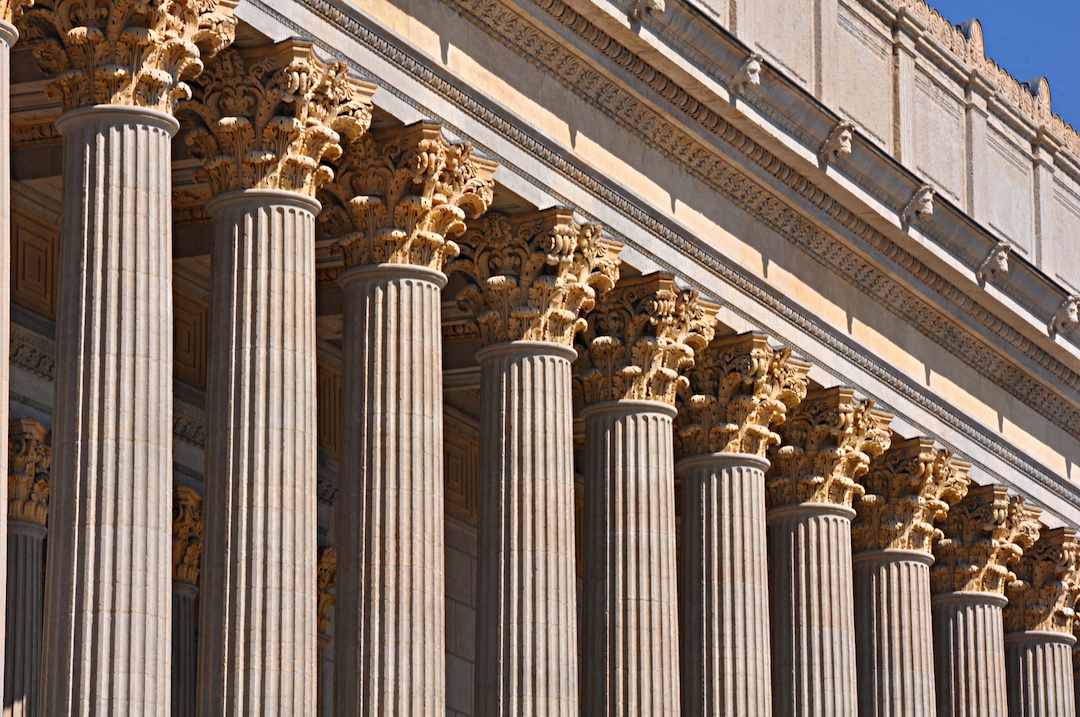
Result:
[[1047, 583], [29, 460], [640, 340], [908, 488], [270, 118], [187, 535], [983, 536], [532, 276], [739, 388], [402, 197], [327, 581], [125, 52], [827, 443]]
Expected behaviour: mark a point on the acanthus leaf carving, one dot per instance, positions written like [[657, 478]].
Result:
[[187, 534], [270, 118], [125, 52], [402, 197], [738, 389], [327, 581], [640, 340], [29, 463], [827, 443], [533, 276], [983, 536], [908, 488], [1043, 593]]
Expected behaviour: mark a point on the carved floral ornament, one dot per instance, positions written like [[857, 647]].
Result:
[[327, 581], [187, 534], [640, 340], [983, 535], [908, 488], [532, 276], [29, 461], [270, 118], [827, 443], [1043, 594], [402, 197], [125, 52], [738, 389]]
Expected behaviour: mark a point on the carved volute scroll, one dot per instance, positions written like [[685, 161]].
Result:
[[908, 488], [29, 460], [533, 276], [270, 118], [1043, 594], [187, 534], [983, 536], [125, 52], [827, 443], [402, 197], [739, 388], [327, 581], [640, 340]]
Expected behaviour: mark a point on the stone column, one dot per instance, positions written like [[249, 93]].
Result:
[[641, 339], [327, 582], [264, 165], [399, 201], [29, 457], [738, 389], [827, 443], [1039, 627], [107, 641], [186, 551], [983, 535], [908, 487], [529, 277]]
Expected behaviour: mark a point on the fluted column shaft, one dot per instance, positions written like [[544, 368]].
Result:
[[258, 588], [527, 638], [724, 587], [893, 626], [969, 654], [1038, 665], [389, 626], [184, 649], [108, 603], [630, 655], [8, 37], [812, 609], [25, 602]]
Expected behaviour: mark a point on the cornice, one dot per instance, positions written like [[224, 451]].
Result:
[[345, 18]]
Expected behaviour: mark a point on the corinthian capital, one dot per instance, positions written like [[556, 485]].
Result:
[[29, 460], [327, 581], [125, 52], [640, 340], [827, 443], [402, 197], [739, 388], [908, 488], [187, 534], [532, 276], [1043, 594], [269, 118], [983, 536]]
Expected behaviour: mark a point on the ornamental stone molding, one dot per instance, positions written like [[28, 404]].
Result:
[[326, 581], [996, 263], [29, 461], [187, 535], [908, 488], [1066, 317], [402, 197], [1047, 583], [982, 537], [533, 276], [640, 340], [920, 205], [125, 52], [748, 74], [838, 144], [827, 443], [738, 389], [270, 118]]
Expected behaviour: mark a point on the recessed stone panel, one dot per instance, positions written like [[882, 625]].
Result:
[[329, 409], [461, 467], [1011, 187], [33, 263], [783, 33], [865, 87], [191, 321], [939, 131]]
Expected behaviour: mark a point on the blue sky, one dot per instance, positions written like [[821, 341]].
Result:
[[1030, 39]]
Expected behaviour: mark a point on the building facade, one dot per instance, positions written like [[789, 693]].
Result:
[[534, 358]]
